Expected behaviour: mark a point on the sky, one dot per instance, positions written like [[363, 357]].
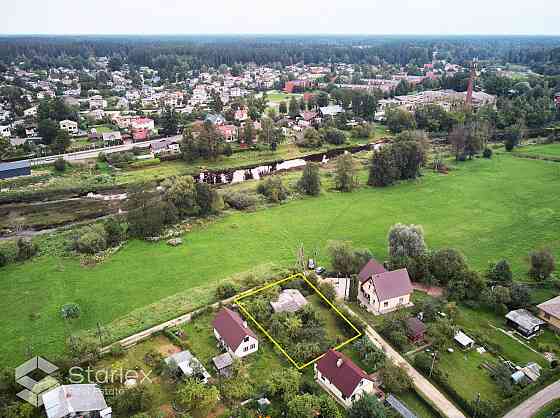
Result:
[[148, 17]]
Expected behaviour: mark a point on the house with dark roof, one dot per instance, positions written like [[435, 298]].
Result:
[[381, 291], [233, 333], [340, 377], [415, 330], [524, 322], [549, 312]]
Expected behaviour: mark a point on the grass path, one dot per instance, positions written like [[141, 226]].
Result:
[[488, 209]]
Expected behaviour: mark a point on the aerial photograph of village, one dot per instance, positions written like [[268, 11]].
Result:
[[306, 209]]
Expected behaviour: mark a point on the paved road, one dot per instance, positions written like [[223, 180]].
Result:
[[83, 155], [532, 405], [423, 385]]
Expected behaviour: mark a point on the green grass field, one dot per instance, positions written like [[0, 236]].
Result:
[[489, 209], [547, 150]]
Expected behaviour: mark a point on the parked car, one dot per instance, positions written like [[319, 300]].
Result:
[[320, 270]]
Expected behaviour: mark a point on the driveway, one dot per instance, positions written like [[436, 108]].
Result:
[[423, 385], [532, 405]]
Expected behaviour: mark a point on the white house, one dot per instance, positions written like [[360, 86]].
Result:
[[142, 123], [5, 131], [381, 291], [339, 376], [31, 112], [233, 333], [97, 102], [76, 401], [70, 126]]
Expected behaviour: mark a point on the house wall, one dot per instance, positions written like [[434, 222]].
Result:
[[240, 352], [379, 307], [365, 386], [551, 320], [246, 348]]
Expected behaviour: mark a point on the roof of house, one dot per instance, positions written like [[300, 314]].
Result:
[[331, 110], [231, 327], [68, 399], [111, 136], [289, 300], [415, 326], [371, 268], [185, 361], [222, 361], [344, 375], [392, 284], [524, 319], [551, 307], [463, 339]]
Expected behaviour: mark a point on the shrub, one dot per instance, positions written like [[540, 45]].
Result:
[[487, 153], [273, 189], [333, 136], [92, 240], [3, 259], [114, 232], [25, 249], [499, 272], [239, 200], [542, 264], [117, 350], [328, 291], [70, 311], [310, 181], [60, 164], [226, 290]]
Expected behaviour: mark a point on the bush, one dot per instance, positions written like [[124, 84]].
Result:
[[273, 189], [60, 164], [226, 290], [3, 259], [92, 240], [117, 350], [310, 181], [487, 153], [70, 311], [542, 264], [114, 232], [25, 249], [333, 136], [239, 200]]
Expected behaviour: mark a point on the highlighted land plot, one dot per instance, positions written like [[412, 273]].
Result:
[[243, 299]]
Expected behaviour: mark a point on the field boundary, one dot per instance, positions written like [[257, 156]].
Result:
[[244, 295]]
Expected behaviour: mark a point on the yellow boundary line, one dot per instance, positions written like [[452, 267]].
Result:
[[238, 299]]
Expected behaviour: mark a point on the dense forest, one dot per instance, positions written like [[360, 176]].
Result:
[[180, 53]]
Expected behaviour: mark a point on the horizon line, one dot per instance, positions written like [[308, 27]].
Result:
[[281, 34]]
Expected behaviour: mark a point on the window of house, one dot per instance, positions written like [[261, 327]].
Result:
[[385, 304], [401, 300], [246, 339], [246, 349], [252, 346], [546, 316]]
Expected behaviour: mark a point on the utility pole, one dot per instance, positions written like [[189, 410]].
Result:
[[477, 403], [433, 362]]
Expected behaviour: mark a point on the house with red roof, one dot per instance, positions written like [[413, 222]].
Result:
[[233, 333], [381, 291], [340, 377]]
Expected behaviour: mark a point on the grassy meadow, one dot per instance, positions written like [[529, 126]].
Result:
[[489, 209]]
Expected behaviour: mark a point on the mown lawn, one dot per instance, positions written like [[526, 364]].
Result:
[[489, 209], [548, 150]]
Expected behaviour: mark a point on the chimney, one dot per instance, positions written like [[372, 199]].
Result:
[[245, 324], [339, 362]]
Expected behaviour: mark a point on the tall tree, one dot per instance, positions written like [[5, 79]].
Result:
[[310, 181], [346, 177]]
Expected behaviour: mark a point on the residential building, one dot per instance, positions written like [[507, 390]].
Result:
[[112, 136], [229, 132], [70, 126], [97, 102], [31, 112], [331, 111], [415, 330], [5, 131], [186, 364], [549, 312], [463, 340], [382, 291], [289, 300], [524, 322], [142, 123], [69, 401], [341, 378], [233, 333]]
